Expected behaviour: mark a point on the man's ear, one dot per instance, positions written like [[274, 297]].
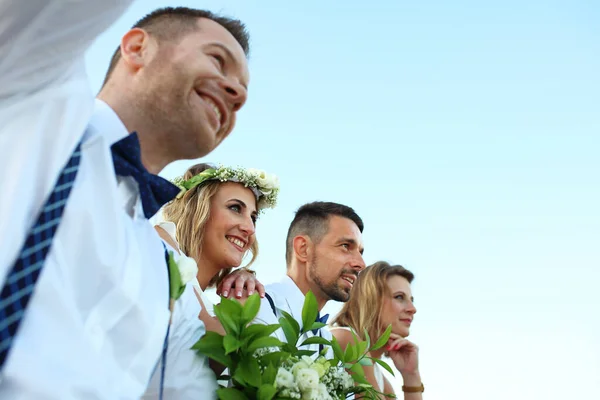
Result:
[[136, 46], [303, 248]]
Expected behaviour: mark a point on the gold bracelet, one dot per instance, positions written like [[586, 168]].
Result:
[[413, 389], [249, 270]]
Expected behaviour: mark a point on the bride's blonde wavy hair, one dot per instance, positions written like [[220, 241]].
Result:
[[363, 308], [190, 214]]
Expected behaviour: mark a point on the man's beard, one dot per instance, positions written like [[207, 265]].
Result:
[[332, 289], [165, 109]]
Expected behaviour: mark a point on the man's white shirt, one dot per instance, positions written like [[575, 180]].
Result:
[[287, 297], [187, 374], [96, 322]]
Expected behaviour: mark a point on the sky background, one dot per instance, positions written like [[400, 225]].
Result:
[[466, 134]]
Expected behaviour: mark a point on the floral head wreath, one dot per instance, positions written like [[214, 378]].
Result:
[[264, 186]]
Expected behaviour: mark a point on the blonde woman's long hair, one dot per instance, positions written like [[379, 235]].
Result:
[[190, 214], [363, 309]]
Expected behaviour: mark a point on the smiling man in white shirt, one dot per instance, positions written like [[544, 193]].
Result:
[[96, 322], [324, 255]]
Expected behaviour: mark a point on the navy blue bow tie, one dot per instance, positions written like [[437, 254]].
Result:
[[322, 319], [154, 190]]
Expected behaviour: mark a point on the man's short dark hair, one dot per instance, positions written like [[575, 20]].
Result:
[[312, 219], [170, 23]]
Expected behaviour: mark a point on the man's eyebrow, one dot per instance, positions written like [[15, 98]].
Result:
[[352, 241]]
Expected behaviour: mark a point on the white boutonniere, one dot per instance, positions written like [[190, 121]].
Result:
[[181, 272]]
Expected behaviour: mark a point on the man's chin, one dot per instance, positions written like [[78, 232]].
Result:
[[340, 295], [205, 142]]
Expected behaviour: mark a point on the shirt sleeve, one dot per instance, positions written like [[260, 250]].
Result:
[[45, 102], [41, 40]]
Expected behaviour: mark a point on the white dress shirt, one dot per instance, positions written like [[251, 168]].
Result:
[[95, 325], [187, 374], [289, 298]]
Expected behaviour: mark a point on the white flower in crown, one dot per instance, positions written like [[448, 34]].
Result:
[[265, 181], [188, 269], [272, 181]]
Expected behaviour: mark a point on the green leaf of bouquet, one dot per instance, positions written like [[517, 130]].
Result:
[[275, 358], [324, 351], [289, 349], [367, 338], [317, 325], [266, 392], [237, 378], [250, 309], [316, 340], [358, 373], [250, 371], [231, 344], [175, 283], [366, 361], [361, 349], [266, 341], [210, 339], [301, 353], [310, 310], [269, 374], [360, 346], [218, 354], [350, 353], [384, 365], [291, 335], [211, 346], [292, 322], [383, 339], [229, 313], [337, 349], [259, 330], [231, 394]]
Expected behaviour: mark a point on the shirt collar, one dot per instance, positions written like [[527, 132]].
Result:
[[108, 125], [107, 122]]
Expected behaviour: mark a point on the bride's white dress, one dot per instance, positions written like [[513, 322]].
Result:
[[187, 374]]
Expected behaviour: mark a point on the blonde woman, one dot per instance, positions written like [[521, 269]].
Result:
[[212, 221], [382, 296]]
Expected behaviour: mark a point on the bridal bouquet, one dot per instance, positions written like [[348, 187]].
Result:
[[262, 367]]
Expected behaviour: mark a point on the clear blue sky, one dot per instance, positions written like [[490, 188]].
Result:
[[466, 134]]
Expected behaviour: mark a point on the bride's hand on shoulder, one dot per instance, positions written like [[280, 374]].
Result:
[[404, 354], [240, 284]]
